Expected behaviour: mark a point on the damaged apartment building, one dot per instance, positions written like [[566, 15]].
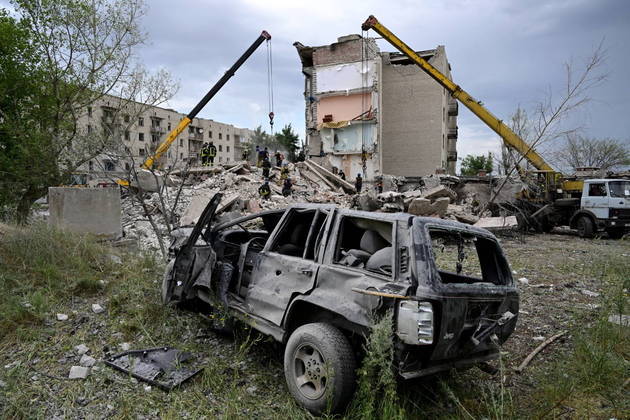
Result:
[[377, 113], [131, 132]]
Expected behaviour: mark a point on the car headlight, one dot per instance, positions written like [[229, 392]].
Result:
[[415, 322]]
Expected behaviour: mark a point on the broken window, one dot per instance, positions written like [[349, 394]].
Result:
[[300, 233], [227, 137], [140, 136], [141, 152], [141, 121], [220, 148], [126, 135], [109, 165], [349, 139], [227, 148], [220, 135], [464, 258], [366, 244], [210, 134]]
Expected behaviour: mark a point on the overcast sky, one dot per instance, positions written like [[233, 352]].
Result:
[[505, 53]]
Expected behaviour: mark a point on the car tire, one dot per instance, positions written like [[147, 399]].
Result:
[[319, 367], [585, 227], [615, 233]]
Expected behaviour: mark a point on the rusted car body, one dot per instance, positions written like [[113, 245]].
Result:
[[334, 270]]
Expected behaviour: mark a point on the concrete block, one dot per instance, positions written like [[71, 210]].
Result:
[[440, 205], [440, 191], [420, 207], [497, 223], [197, 204], [78, 372], [86, 210]]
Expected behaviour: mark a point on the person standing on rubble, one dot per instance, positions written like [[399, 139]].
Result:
[[358, 183], [245, 155], [284, 171], [258, 157], [264, 190], [278, 157], [342, 175], [212, 152], [203, 154], [287, 187], [266, 168]]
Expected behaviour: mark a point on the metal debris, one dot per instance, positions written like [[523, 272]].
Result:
[[163, 367]]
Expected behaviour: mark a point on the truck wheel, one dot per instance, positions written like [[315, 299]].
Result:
[[585, 227], [615, 233], [319, 367]]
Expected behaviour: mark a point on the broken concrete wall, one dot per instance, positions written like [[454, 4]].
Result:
[[86, 210]]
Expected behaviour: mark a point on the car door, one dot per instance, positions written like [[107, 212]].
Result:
[[287, 266]]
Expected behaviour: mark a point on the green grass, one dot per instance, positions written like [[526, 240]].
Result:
[[44, 272]]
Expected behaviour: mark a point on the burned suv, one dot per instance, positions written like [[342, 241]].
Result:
[[314, 277]]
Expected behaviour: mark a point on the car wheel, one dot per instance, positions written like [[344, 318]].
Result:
[[585, 227], [319, 366], [168, 276], [615, 233]]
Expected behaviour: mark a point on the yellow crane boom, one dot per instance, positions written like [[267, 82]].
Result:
[[510, 138], [163, 147]]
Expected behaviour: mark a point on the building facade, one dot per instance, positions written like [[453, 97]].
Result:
[[133, 132], [376, 113]]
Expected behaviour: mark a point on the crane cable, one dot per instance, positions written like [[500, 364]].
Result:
[[270, 84], [364, 105]]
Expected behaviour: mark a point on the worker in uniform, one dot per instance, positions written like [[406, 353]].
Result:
[[287, 187], [265, 190], [261, 157], [266, 168], [278, 157], [258, 159], [203, 153], [358, 183], [246, 154], [284, 172], [212, 153]]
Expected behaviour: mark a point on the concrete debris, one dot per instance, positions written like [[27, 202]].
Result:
[[81, 349], [497, 223], [124, 346], [523, 280], [87, 361], [97, 309], [79, 372], [620, 319], [115, 259], [180, 203], [588, 293], [440, 191], [62, 317]]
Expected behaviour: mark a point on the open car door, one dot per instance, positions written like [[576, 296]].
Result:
[[192, 266]]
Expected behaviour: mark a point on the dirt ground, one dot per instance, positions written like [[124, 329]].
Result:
[[243, 376]]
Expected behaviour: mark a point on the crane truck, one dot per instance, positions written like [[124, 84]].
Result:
[[589, 206], [150, 162]]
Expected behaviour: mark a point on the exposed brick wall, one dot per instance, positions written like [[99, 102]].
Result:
[[342, 52]]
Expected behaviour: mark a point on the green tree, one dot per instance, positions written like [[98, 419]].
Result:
[[62, 56], [289, 141], [471, 165]]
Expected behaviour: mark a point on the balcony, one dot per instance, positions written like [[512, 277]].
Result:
[[451, 133], [195, 136], [451, 156], [157, 130], [453, 109]]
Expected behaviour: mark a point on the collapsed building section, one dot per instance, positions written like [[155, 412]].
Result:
[[376, 113]]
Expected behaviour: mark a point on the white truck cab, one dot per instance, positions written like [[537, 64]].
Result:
[[605, 205]]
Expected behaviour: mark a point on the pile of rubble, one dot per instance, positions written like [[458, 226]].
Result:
[[181, 203]]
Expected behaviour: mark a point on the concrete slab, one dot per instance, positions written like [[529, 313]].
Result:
[[86, 210], [497, 223]]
